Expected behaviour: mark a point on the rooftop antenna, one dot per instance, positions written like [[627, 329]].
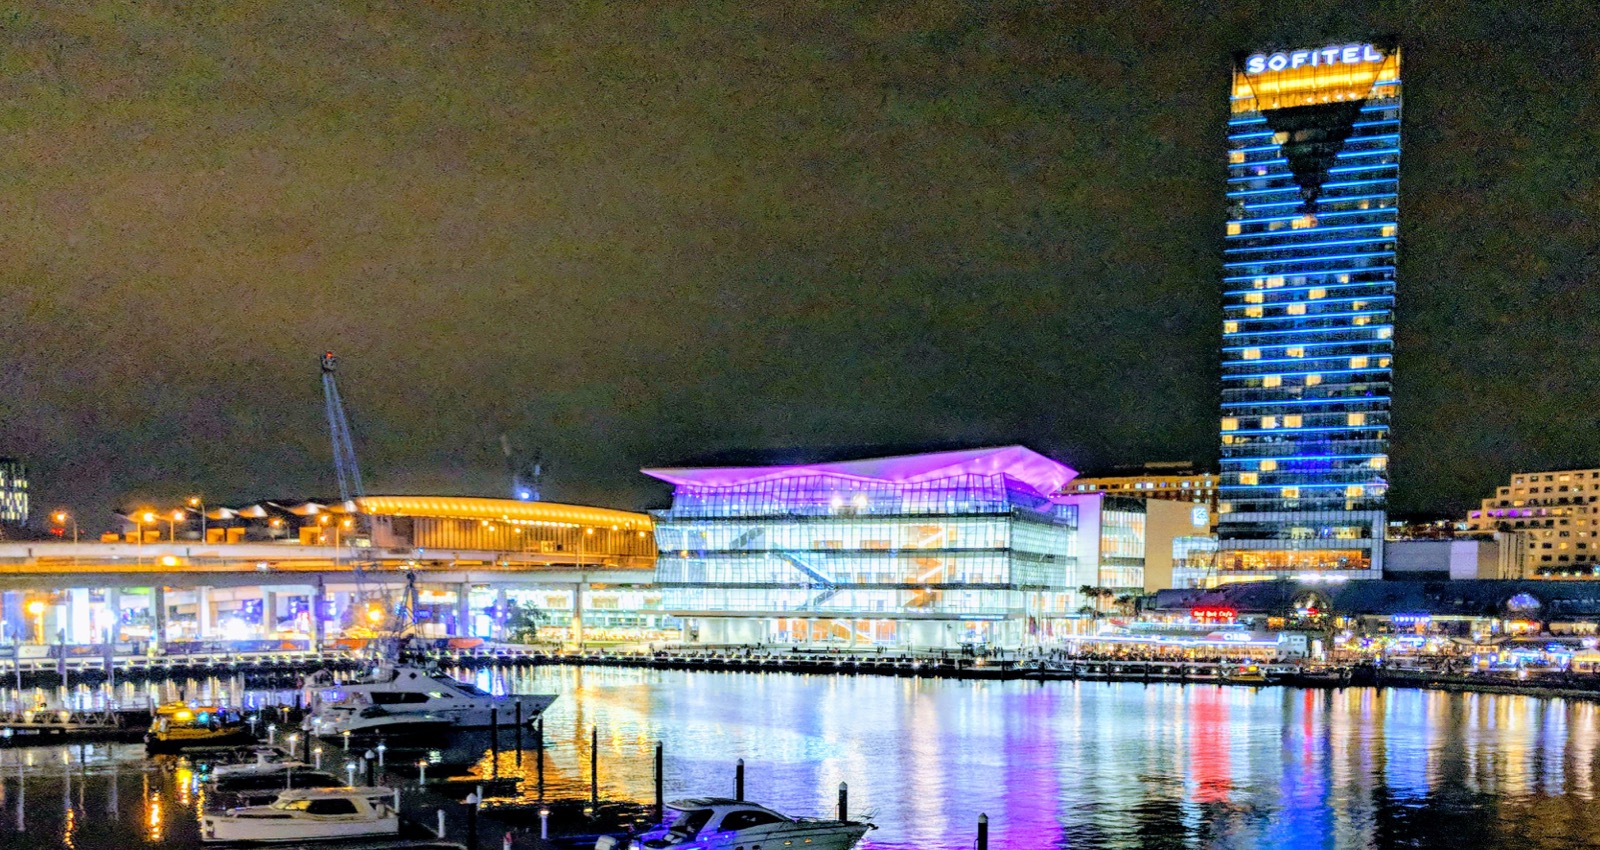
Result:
[[527, 473]]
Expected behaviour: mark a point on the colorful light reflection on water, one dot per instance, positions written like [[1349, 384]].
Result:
[[1053, 765]]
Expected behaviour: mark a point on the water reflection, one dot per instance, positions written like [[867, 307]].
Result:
[[1082, 765]]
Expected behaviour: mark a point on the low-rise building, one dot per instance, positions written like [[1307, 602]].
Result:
[[1553, 519]]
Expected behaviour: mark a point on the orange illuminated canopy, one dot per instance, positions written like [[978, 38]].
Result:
[[507, 510]]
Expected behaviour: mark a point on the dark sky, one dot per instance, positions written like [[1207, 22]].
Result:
[[633, 233]]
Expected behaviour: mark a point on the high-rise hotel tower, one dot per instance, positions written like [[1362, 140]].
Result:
[[1309, 284]]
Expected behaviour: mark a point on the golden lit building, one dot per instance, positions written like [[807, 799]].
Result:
[[1554, 517], [1177, 481]]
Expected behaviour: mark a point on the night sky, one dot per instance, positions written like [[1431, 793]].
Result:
[[637, 233]]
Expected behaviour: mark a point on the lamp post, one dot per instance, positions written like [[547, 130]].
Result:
[[62, 518], [172, 525], [145, 518], [199, 504]]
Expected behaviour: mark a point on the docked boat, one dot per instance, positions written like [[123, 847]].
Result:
[[719, 823], [1245, 674], [307, 815], [268, 761], [177, 726], [406, 697]]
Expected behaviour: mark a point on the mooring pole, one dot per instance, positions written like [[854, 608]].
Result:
[[519, 732], [371, 767], [660, 801], [738, 781], [983, 832], [844, 801], [472, 821], [594, 765], [494, 740]]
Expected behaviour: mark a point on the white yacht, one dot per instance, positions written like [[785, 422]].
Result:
[[401, 697], [307, 814], [718, 823], [266, 761]]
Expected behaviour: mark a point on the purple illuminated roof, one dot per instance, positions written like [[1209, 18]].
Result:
[[1019, 462]]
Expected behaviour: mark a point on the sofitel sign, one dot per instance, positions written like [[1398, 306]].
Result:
[[1333, 54]]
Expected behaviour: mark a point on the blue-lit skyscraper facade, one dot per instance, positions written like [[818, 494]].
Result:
[[1309, 288]]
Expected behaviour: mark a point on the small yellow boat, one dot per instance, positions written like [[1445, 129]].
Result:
[[176, 726]]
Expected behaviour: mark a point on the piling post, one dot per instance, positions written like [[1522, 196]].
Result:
[[472, 821], [519, 732], [983, 832], [368, 758], [738, 781], [544, 824], [438, 831], [660, 802], [594, 765], [494, 739], [844, 801], [505, 844]]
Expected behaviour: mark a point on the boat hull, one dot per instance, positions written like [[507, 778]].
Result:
[[227, 829]]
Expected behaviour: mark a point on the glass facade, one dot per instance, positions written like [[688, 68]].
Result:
[[13, 492], [811, 553], [1309, 287]]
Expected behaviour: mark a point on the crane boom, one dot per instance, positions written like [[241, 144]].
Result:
[[344, 452]]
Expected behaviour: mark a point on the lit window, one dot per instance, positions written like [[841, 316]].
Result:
[[1253, 298], [1269, 422], [1230, 424], [1305, 221], [1358, 362], [1251, 354], [1252, 312], [1271, 381], [1296, 351], [1291, 492], [1293, 420], [1236, 157], [1274, 282], [1385, 332], [1230, 327], [1313, 380], [1317, 293], [1356, 419], [1353, 491], [1344, 278], [1295, 309], [1378, 462], [1234, 228], [1388, 230], [1268, 465], [1383, 362], [1249, 478]]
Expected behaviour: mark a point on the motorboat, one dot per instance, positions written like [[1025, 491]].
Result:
[[307, 814], [720, 823], [176, 726], [407, 697], [268, 761]]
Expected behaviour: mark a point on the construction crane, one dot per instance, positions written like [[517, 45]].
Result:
[[344, 453], [527, 471]]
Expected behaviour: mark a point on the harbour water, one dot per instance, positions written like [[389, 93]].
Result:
[[1055, 764]]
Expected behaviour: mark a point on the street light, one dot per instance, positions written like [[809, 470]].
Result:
[[199, 504], [139, 522], [172, 525], [62, 518]]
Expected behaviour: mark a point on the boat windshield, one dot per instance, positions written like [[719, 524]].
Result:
[[688, 824], [463, 686]]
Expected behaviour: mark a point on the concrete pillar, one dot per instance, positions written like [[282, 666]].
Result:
[[80, 620], [500, 614], [204, 613], [269, 612], [113, 614], [158, 613], [577, 612], [463, 610], [319, 613]]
